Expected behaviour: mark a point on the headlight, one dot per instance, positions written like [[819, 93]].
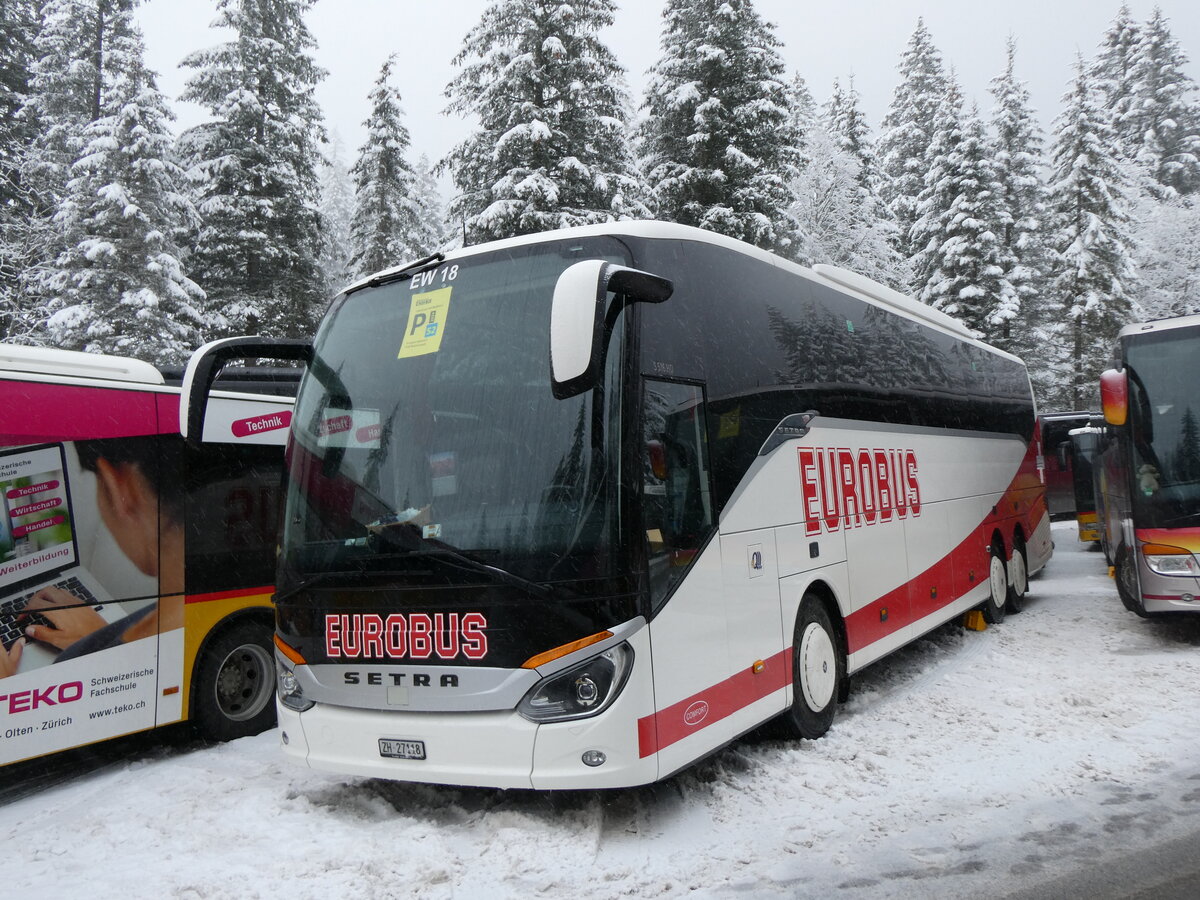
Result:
[[580, 691], [1166, 560], [291, 694]]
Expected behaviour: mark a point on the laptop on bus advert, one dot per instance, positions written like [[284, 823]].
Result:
[[39, 546]]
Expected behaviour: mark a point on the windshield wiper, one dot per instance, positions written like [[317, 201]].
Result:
[[319, 578], [454, 557], [406, 272]]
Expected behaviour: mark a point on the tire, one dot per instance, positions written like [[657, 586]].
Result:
[[1127, 583], [993, 607], [818, 671], [1018, 577], [234, 692]]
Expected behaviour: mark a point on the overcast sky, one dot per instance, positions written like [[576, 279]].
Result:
[[821, 40]]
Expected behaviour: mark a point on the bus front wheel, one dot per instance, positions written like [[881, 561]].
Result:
[[235, 684], [1127, 582], [818, 671]]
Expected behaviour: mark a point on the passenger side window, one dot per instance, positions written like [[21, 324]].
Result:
[[678, 505]]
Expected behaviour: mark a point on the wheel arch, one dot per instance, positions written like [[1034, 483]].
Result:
[[824, 593], [258, 614]]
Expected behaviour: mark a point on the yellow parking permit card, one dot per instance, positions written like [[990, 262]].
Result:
[[426, 323]]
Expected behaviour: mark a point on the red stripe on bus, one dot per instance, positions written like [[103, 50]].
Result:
[[230, 595], [33, 412], [694, 713], [959, 572]]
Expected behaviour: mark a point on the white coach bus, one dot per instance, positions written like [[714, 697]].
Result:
[[576, 509]]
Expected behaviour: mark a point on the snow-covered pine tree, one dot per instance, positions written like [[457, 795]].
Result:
[[1167, 238], [961, 269], [718, 143], [1021, 213], [120, 286], [19, 23], [337, 209], [1091, 269], [1110, 72], [67, 87], [804, 115], [431, 205], [837, 217], [254, 170], [65, 95], [1163, 119], [551, 149], [905, 140], [846, 123], [386, 229]]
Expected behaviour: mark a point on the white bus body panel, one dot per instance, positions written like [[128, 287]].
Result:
[[486, 749]]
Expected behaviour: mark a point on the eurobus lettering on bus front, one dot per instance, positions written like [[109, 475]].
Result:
[[576, 509], [135, 571], [1149, 469]]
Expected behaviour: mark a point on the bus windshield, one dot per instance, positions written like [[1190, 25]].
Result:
[[426, 432], [1165, 420]]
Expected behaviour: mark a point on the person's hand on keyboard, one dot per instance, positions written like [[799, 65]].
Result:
[[71, 618], [10, 658]]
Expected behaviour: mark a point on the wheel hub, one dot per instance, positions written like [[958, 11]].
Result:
[[817, 667], [242, 684], [999, 581]]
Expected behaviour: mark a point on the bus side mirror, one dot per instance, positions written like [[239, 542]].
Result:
[[206, 363], [580, 318], [1114, 396]]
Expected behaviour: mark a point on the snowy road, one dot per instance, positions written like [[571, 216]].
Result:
[[1039, 752]]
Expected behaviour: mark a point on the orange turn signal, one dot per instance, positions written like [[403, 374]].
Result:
[[542, 658], [1163, 550], [290, 652]]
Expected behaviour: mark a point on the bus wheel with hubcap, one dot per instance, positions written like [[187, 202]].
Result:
[[235, 684], [1018, 577], [818, 671], [1127, 582], [993, 609]]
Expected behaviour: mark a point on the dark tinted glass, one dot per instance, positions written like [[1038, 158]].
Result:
[[1164, 419], [767, 343]]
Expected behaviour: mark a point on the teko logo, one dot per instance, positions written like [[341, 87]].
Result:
[[844, 488], [695, 713]]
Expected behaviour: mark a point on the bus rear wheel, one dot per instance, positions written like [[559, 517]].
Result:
[[1018, 578], [235, 684], [993, 608], [818, 671]]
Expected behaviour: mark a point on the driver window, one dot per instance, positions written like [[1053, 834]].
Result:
[[678, 513]]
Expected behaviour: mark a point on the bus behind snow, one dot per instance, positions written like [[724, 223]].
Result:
[[576, 509], [1150, 468], [135, 571]]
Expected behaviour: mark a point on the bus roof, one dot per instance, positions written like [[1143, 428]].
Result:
[[1158, 325], [48, 361], [843, 279]]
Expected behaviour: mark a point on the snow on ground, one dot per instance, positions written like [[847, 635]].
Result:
[[967, 764]]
